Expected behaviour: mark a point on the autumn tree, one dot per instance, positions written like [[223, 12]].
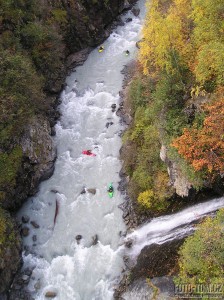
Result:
[[204, 148], [208, 40], [165, 35]]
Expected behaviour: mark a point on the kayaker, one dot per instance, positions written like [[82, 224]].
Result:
[[101, 48], [88, 152], [111, 189], [127, 52]]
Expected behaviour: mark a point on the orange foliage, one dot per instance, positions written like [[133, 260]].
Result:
[[204, 148]]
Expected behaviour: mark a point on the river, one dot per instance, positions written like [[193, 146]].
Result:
[[78, 254], [81, 270]]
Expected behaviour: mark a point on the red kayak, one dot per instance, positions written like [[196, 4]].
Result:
[[88, 152]]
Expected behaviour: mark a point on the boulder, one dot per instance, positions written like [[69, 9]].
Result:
[[25, 219], [34, 224], [78, 237], [83, 191], [109, 124], [95, 239], [25, 231], [37, 285], [25, 278], [92, 191], [128, 243], [50, 294], [135, 11], [78, 58]]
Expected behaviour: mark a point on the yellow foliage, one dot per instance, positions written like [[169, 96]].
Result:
[[192, 31], [163, 35], [145, 199]]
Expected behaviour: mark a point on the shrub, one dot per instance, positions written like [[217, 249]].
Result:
[[145, 199]]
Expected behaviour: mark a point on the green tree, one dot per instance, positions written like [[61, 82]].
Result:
[[202, 254]]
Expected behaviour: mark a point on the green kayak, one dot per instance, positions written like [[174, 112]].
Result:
[[110, 190]]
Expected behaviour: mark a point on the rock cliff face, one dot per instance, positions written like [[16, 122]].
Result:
[[177, 179], [88, 20], [37, 163]]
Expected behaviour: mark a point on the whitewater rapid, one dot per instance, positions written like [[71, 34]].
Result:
[[83, 270]]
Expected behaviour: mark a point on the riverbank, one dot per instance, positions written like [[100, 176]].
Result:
[[155, 261], [133, 214]]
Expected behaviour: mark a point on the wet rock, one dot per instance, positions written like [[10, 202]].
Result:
[[78, 237], [26, 248], [121, 288], [25, 231], [54, 191], [122, 233], [95, 239], [34, 224], [128, 20], [135, 11], [118, 22], [127, 5], [50, 294], [92, 191], [126, 119], [37, 285], [27, 272], [113, 106], [25, 219], [78, 58], [53, 131], [83, 191], [137, 44], [128, 263], [128, 243], [25, 278], [34, 238], [109, 124]]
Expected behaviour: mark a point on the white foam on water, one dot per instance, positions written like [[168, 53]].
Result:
[[83, 271]]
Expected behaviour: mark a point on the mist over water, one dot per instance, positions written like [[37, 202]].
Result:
[[83, 271]]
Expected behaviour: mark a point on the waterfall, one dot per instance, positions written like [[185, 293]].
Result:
[[169, 227]]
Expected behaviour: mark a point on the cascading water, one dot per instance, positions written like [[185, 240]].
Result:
[[83, 270], [170, 227]]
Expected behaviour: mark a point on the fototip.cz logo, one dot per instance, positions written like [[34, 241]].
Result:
[[199, 291]]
